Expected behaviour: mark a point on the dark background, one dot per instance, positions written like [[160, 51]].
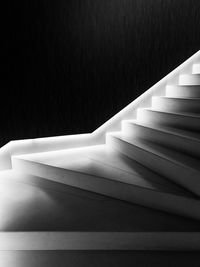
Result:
[[72, 64]]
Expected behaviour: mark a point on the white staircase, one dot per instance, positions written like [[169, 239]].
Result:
[[134, 183]]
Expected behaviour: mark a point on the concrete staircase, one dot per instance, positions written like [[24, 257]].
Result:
[[134, 183]]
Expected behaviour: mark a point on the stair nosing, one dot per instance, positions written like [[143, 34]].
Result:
[[160, 129]]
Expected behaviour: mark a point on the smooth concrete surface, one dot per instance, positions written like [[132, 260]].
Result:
[[26, 206], [196, 69], [110, 163], [176, 104], [98, 259], [162, 160], [89, 175], [177, 120], [189, 79], [44, 215], [184, 141], [191, 91]]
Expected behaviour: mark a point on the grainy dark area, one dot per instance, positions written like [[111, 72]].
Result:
[[74, 63]]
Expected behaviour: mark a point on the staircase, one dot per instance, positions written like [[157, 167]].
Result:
[[134, 183]]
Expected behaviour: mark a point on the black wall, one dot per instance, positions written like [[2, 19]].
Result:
[[74, 63]]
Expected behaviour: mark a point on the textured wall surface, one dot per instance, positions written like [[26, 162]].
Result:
[[73, 64]]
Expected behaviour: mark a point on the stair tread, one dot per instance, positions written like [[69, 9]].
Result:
[[110, 157], [163, 152], [102, 161], [184, 114], [33, 207], [167, 129]]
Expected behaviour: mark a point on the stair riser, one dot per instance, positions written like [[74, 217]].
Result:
[[187, 79], [176, 142], [134, 194], [166, 119], [172, 171], [196, 69], [183, 91], [176, 105]]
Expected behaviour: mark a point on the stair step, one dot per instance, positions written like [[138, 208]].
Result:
[[139, 185], [168, 163], [34, 217], [196, 68], [169, 104], [189, 79], [99, 161], [110, 157], [186, 121], [183, 141], [188, 91]]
